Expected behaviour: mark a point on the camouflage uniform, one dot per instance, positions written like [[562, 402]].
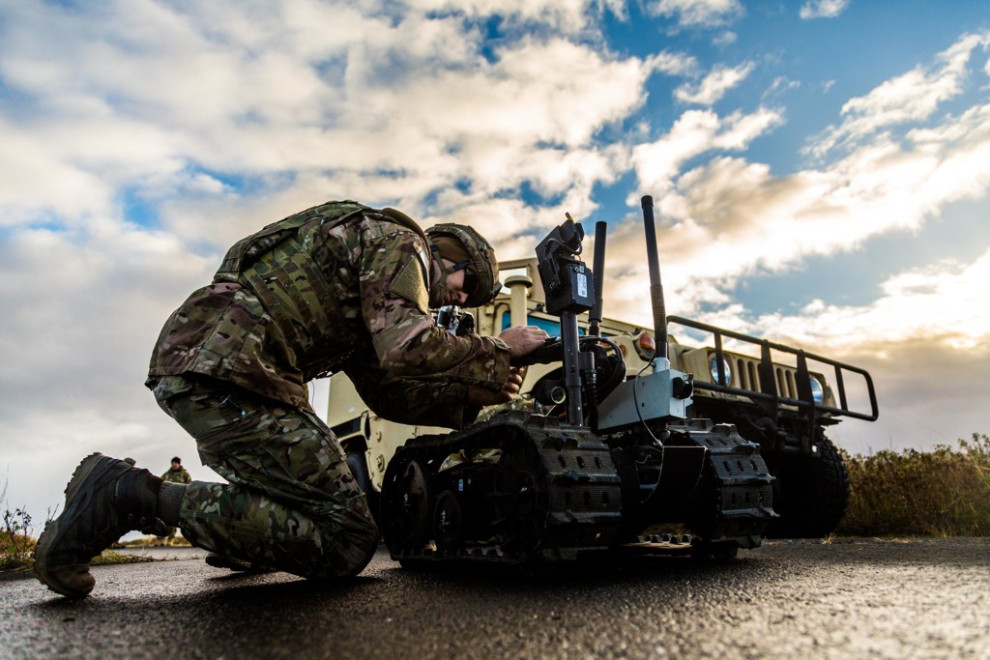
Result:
[[180, 476], [336, 287]]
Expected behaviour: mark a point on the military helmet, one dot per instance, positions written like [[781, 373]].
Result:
[[468, 250]]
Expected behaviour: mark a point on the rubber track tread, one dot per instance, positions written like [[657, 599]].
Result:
[[736, 501], [579, 503]]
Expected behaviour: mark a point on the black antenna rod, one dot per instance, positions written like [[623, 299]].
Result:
[[656, 288], [595, 315]]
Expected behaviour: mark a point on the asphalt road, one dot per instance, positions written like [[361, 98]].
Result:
[[862, 599]]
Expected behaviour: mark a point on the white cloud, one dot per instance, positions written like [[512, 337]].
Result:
[[37, 182], [780, 85], [675, 64], [726, 38], [696, 132], [521, 99], [571, 174], [565, 15], [822, 8], [911, 97], [944, 303], [318, 90], [89, 307], [714, 86], [732, 218], [698, 13]]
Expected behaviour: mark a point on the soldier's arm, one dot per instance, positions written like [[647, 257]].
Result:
[[394, 301], [427, 400]]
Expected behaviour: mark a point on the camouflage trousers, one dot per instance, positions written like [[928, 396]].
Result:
[[291, 504]]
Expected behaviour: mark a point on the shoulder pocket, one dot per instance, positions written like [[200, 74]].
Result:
[[409, 284]]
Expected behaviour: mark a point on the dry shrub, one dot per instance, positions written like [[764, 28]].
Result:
[[15, 543], [942, 492]]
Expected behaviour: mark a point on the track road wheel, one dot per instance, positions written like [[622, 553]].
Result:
[[407, 506], [448, 522]]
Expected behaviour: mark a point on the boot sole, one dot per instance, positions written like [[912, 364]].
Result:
[[53, 530]]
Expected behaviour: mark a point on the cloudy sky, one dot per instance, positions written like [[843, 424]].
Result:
[[821, 172]]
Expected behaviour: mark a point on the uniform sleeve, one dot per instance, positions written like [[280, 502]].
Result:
[[427, 400], [407, 341]]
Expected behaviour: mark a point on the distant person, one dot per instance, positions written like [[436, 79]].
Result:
[[337, 287], [175, 474]]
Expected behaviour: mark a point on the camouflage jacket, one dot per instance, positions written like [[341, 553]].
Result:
[[180, 476], [336, 287]]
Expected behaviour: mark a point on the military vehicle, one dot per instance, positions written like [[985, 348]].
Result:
[[600, 453]]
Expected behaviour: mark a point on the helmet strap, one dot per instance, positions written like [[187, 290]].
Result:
[[438, 287]]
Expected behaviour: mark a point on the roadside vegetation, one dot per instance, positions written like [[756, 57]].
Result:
[[942, 492], [16, 545]]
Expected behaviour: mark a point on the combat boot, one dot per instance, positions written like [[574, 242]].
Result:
[[104, 499]]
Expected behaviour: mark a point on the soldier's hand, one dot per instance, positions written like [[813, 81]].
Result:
[[479, 396], [514, 382], [523, 339]]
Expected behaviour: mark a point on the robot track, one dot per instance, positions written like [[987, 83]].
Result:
[[526, 490], [519, 489], [733, 501]]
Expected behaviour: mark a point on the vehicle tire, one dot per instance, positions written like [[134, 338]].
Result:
[[359, 469], [811, 493]]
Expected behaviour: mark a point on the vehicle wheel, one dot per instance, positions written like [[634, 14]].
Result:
[[811, 493], [359, 468]]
